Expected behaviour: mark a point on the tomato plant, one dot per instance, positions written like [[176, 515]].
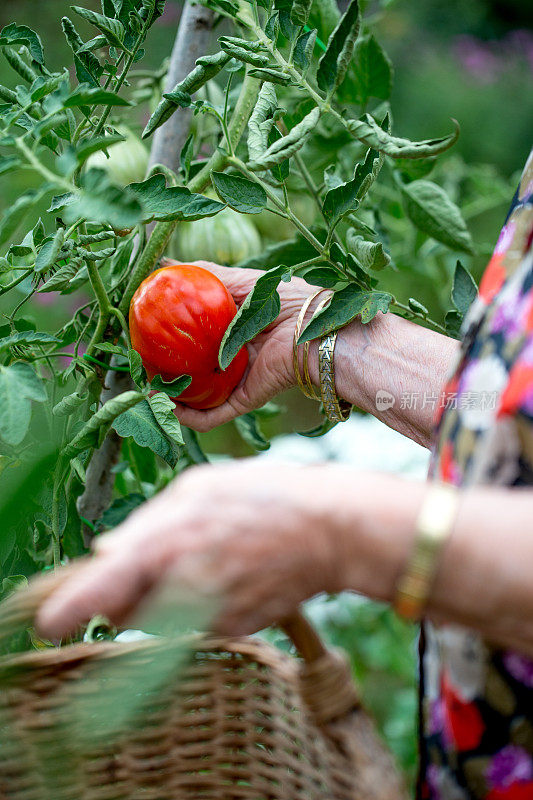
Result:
[[299, 131]]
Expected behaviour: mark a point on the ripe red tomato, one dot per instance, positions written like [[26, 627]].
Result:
[[178, 317]]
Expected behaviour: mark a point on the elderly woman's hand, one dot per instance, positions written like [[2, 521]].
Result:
[[270, 369], [260, 537]]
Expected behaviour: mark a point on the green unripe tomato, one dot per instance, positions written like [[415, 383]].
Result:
[[227, 238], [127, 162]]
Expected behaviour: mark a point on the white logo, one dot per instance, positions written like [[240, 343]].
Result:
[[384, 400]]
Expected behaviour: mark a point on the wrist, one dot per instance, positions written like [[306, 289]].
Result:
[[377, 532]]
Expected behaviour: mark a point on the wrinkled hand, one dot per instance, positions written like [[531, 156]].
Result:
[[258, 537], [270, 370]]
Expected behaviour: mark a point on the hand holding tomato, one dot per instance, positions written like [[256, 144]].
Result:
[[178, 317], [270, 368]]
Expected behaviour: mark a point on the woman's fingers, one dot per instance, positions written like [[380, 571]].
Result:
[[111, 585]]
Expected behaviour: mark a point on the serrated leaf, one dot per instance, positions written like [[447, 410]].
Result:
[[368, 131], [107, 347], [27, 337], [141, 424], [346, 305], [15, 35], [172, 388], [372, 70], [18, 386], [163, 410], [173, 203], [60, 280], [91, 95], [112, 29], [239, 193], [257, 312], [430, 209], [464, 290], [101, 201], [334, 63]]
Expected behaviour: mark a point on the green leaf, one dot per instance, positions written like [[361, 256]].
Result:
[[49, 251], [452, 323], [414, 305], [141, 424], [259, 309], [194, 452], [101, 201], [303, 50], [69, 404], [116, 349], [346, 197], [94, 431], [172, 388], [243, 54], [429, 208], [288, 145], [18, 386], [14, 215], [186, 156], [90, 95], [300, 11], [372, 70], [290, 252], [464, 290], [163, 410], [240, 193], [15, 35], [370, 255], [136, 367], [346, 305], [367, 130], [174, 203], [86, 147], [271, 75], [261, 121], [27, 337], [120, 509], [9, 163], [112, 29], [61, 201], [61, 279], [334, 63], [248, 427]]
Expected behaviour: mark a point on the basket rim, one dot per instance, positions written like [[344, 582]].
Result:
[[251, 648]]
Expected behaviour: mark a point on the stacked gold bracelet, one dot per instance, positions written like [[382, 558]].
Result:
[[433, 528], [336, 410]]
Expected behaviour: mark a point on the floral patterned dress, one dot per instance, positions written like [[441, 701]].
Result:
[[477, 701]]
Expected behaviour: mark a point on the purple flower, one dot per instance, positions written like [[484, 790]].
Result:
[[510, 765], [433, 780], [477, 58], [519, 666]]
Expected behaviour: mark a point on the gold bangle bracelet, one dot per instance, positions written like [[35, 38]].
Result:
[[336, 410], [307, 376], [307, 387], [433, 528]]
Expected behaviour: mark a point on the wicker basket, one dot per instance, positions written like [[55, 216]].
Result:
[[244, 721]]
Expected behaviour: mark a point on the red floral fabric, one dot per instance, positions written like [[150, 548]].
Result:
[[477, 701]]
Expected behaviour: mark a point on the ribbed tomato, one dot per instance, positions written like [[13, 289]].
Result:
[[178, 317]]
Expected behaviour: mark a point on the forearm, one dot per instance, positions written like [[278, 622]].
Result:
[[484, 573], [391, 356]]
